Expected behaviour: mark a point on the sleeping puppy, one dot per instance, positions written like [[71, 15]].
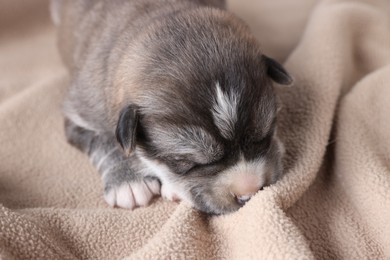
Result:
[[170, 97]]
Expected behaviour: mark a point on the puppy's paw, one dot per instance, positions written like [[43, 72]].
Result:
[[132, 194], [167, 192]]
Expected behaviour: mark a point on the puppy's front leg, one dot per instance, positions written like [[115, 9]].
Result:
[[126, 183]]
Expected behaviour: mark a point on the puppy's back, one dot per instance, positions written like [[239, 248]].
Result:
[[81, 22], [93, 37]]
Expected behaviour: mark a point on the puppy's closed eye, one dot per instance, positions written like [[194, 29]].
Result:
[[181, 166], [184, 166]]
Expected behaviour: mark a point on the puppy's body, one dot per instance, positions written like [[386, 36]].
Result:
[[187, 90]]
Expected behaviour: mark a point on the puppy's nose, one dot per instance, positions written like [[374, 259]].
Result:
[[245, 187], [243, 198]]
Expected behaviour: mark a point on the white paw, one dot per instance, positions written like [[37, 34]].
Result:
[[167, 192], [133, 194]]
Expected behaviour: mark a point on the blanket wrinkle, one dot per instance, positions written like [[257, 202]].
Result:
[[332, 203]]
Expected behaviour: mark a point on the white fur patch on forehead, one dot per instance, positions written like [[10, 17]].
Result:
[[192, 140], [225, 112]]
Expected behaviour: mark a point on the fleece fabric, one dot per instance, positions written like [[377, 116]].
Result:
[[332, 203]]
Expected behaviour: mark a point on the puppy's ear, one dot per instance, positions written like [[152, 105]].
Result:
[[276, 72], [126, 128]]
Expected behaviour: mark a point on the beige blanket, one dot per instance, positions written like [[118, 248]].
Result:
[[333, 203]]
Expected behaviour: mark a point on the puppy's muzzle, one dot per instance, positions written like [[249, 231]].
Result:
[[244, 187]]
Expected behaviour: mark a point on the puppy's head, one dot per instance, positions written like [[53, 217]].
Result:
[[205, 120]]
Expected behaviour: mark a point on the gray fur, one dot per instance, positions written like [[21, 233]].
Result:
[[164, 58]]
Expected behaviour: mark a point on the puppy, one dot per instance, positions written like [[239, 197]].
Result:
[[170, 97]]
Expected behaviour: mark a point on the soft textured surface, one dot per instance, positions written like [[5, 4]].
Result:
[[333, 203]]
